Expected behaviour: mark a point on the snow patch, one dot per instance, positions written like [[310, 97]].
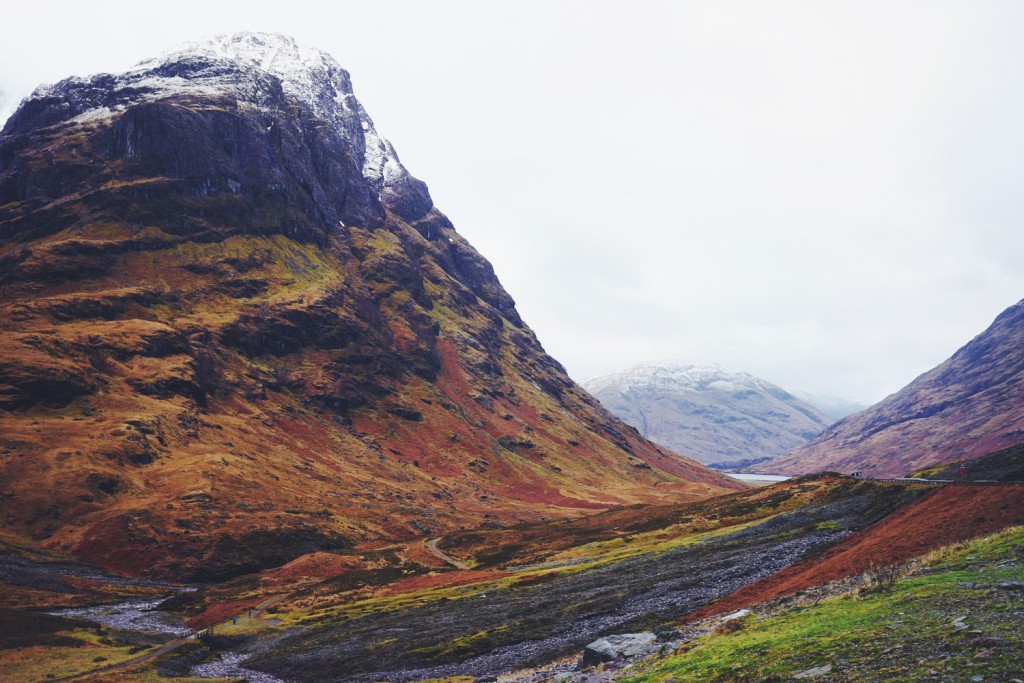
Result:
[[98, 114], [238, 64]]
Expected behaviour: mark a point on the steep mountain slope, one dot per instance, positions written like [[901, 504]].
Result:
[[707, 412], [235, 329], [970, 405]]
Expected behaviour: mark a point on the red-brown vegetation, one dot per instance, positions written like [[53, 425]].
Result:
[[948, 515]]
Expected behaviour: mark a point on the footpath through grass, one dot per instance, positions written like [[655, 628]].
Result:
[[958, 617]]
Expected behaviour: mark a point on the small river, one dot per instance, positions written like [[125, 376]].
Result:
[[230, 666], [133, 615], [141, 615], [758, 477]]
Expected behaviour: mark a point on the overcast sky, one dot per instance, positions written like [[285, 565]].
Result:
[[825, 194]]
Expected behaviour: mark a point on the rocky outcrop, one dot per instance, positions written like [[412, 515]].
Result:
[[613, 648], [970, 405]]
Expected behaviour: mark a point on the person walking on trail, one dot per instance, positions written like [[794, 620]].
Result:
[[962, 471], [234, 620]]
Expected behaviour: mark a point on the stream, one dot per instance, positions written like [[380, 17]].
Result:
[[141, 615], [230, 665], [133, 615]]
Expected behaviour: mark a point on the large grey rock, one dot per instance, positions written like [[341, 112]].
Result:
[[612, 648], [815, 672], [739, 614]]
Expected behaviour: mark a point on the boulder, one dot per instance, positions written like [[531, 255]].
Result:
[[612, 648], [739, 614], [815, 672]]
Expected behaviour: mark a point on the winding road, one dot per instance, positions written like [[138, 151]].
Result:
[[431, 545]]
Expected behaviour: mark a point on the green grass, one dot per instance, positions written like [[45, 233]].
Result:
[[591, 556], [87, 649], [902, 633]]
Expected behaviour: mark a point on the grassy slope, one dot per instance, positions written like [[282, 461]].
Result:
[[37, 647], [651, 574], [898, 633], [1002, 465], [944, 515], [384, 608], [136, 461], [355, 579]]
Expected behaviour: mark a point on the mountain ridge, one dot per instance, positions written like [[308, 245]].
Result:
[[239, 331], [967, 406], [707, 411]]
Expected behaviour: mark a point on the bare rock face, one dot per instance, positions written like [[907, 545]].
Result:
[[970, 405], [708, 412], [236, 329]]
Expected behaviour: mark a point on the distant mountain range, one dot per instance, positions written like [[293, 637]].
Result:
[[708, 412], [970, 405]]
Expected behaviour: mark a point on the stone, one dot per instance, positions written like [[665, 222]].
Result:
[[667, 634], [612, 648], [815, 672], [738, 614]]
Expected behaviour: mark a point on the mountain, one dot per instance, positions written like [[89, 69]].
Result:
[[708, 412], [236, 330], [835, 407], [970, 405]]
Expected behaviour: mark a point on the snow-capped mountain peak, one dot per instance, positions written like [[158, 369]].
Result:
[[679, 375], [707, 411], [250, 66]]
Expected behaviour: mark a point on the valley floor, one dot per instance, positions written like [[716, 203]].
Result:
[[499, 601], [957, 615]]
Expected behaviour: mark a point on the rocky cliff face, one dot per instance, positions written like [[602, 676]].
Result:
[[970, 405], [236, 329], [707, 412]]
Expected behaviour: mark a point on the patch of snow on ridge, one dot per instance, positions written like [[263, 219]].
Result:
[[310, 75], [233, 64], [304, 71], [665, 376], [97, 114]]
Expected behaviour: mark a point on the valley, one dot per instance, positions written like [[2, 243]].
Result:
[[526, 597], [267, 416]]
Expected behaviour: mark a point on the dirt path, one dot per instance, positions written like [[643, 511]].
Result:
[[242, 621], [245, 620], [437, 552]]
